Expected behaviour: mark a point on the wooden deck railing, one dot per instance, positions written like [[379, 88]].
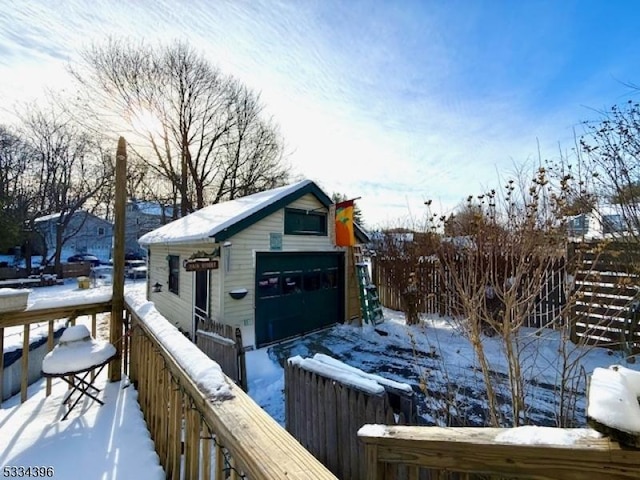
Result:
[[28, 317], [439, 453], [197, 438]]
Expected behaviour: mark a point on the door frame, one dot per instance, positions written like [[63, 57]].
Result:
[[197, 277]]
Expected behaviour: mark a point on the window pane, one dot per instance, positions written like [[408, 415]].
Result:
[[301, 222], [330, 279], [311, 282], [174, 274], [291, 284], [269, 286]]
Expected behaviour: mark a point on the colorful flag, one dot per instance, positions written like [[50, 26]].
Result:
[[344, 224]]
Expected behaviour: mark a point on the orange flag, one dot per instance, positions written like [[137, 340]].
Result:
[[344, 224]]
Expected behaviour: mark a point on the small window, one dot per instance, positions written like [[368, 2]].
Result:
[[612, 224], [291, 284], [303, 222], [174, 274], [269, 286], [312, 281], [330, 279], [579, 225], [100, 231]]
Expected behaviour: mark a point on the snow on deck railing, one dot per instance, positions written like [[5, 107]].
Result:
[[203, 425], [206, 373]]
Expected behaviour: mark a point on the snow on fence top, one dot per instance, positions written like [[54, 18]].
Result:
[[335, 369], [613, 398], [533, 435], [205, 373]]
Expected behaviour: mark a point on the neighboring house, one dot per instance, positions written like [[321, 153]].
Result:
[[265, 263], [143, 217], [605, 222], [85, 233]]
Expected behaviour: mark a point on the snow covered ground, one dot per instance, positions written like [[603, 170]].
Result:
[[438, 362], [105, 441]]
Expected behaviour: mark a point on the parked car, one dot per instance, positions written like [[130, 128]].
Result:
[[84, 257], [135, 269], [133, 256]]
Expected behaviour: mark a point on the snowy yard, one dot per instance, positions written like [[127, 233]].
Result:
[[433, 358]]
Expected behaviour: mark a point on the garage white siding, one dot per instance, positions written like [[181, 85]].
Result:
[[178, 309], [241, 270]]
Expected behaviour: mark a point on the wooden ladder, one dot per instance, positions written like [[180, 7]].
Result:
[[369, 299]]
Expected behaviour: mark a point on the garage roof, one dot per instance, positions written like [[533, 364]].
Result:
[[222, 220]]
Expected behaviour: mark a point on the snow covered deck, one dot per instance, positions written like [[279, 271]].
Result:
[[109, 441], [178, 416]]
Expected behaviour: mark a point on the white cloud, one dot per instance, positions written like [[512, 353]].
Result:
[[394, 104]]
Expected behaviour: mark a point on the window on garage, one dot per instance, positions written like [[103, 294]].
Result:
[[291, 284], [174, 274], [303, 222], [269, 285], [312, 281], [330, 278]]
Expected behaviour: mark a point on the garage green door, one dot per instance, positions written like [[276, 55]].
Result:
[[297, 293]]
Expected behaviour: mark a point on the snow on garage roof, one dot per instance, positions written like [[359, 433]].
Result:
[[222, 220]]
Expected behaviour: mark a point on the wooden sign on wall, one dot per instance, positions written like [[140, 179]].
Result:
[[201, 265]]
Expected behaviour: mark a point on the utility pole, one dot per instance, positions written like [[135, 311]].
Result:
[[116, 327]]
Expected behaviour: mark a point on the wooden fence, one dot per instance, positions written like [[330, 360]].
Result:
[[596, 289], [199, 438], [68, 270], [474, 453], [437, 295], [606, 311], [224, 346], [325, 416]]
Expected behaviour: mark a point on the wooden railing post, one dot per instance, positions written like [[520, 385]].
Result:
[[374, 471], [49, 348], [242, 365], [25, 363], [116, 327]]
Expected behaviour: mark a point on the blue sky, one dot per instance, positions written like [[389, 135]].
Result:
[[397, 102]]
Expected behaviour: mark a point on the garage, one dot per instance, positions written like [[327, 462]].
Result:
[[297, 293]]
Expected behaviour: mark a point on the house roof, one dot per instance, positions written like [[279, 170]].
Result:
[[220, 221], [56, 216], [46, 218], [151, 208]]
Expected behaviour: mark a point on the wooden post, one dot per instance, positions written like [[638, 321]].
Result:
[[116, 327], [25, 363], [49, 348], [242, 365]]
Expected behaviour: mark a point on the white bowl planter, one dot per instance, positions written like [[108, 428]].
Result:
[[13, 299]]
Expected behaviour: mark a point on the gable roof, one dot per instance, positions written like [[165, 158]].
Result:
[[77, 213], [220, 221]]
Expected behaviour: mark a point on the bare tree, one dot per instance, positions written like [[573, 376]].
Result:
[[15, 194], [609, 152], [69, 171], [205, 132]]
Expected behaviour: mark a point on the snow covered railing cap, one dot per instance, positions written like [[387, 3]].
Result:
[[329, 367], [613, 407]]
